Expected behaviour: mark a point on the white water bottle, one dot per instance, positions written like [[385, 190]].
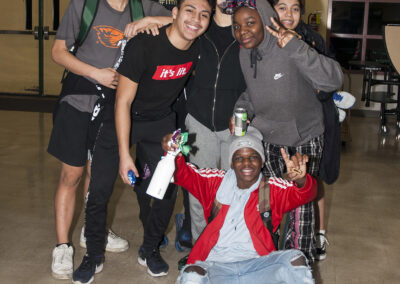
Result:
[[162, 176]]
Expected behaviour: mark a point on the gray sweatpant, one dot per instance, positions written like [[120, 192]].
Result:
[[211, 151]]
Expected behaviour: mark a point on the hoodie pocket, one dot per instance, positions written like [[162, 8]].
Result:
[[278, 132]]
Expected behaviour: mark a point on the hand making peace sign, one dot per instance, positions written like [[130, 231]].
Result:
[[283, 35]]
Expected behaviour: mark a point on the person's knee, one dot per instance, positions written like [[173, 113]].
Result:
[[70, 176], [299, 260], [194, 268], [193, 274], [300, 269]]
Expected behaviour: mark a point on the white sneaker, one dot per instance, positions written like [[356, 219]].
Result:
[[344, 100], [114, 243], [321, 242], [62, 265], [342, 115]]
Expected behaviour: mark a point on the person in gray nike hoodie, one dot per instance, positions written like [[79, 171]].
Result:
[[283, 75]]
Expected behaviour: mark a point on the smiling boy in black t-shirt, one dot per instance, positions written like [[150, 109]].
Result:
[[152, 74]]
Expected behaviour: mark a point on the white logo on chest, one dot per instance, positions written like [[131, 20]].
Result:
[[278, 76]]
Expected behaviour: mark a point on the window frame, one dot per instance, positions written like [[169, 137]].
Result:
[[364, 36]]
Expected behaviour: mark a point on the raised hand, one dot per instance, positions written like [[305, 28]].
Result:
[[296, 166], [283, 35]]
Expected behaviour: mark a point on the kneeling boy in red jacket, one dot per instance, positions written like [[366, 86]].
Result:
[[236, 245]]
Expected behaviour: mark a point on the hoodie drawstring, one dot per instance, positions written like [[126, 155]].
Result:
[[254, 57]]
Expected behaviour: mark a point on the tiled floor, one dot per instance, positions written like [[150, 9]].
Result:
[[363, 224]]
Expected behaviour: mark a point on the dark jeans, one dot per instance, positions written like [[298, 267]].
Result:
[[155, 217]]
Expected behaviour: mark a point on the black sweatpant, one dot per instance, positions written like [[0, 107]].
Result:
[[155, 217]]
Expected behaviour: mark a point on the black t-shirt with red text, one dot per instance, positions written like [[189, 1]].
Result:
[[160, 69]]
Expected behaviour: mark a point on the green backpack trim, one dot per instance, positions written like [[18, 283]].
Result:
[[89, 12], [136, 10]]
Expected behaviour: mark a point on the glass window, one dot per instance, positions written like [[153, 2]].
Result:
[[381, 14], [354, 37], [347, 17], [345, 50], [376, 51]]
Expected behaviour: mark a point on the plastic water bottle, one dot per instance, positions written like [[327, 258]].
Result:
[[131, 177], [165, 169], [162, 176]]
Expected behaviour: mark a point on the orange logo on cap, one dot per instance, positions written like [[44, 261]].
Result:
[[109, 36]]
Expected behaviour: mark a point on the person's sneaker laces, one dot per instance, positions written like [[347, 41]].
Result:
[[156, 266], [114, 243], [84, 274], [62, 264], [183, 240], [342, 115], [344, 100], [321, 240]]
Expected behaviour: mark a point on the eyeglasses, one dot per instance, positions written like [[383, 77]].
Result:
[[230, 6]]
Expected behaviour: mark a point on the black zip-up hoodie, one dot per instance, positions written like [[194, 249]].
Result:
[[216, 85], [330, 162]]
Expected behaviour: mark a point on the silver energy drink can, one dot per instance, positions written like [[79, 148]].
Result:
[[240, 119]]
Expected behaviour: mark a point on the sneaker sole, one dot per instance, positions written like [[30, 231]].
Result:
[[79, 282], [117, 249], [143, 263], [320, 257], [61, 276], [83, 245], [99, 269]]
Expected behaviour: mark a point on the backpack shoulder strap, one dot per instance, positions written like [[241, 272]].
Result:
[[263, 196], [136, 9], [264, 203], [88, 14]]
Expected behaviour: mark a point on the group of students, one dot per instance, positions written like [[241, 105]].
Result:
[[280, 81]]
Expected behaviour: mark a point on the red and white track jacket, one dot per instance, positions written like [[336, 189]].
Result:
[[204, 184]]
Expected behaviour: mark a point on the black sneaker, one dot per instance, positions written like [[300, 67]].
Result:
[[156, 266], [183, 239], [84, 274]]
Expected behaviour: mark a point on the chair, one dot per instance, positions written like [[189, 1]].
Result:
[[391, 78]]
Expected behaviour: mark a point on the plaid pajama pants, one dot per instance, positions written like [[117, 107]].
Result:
[[300, 234]]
